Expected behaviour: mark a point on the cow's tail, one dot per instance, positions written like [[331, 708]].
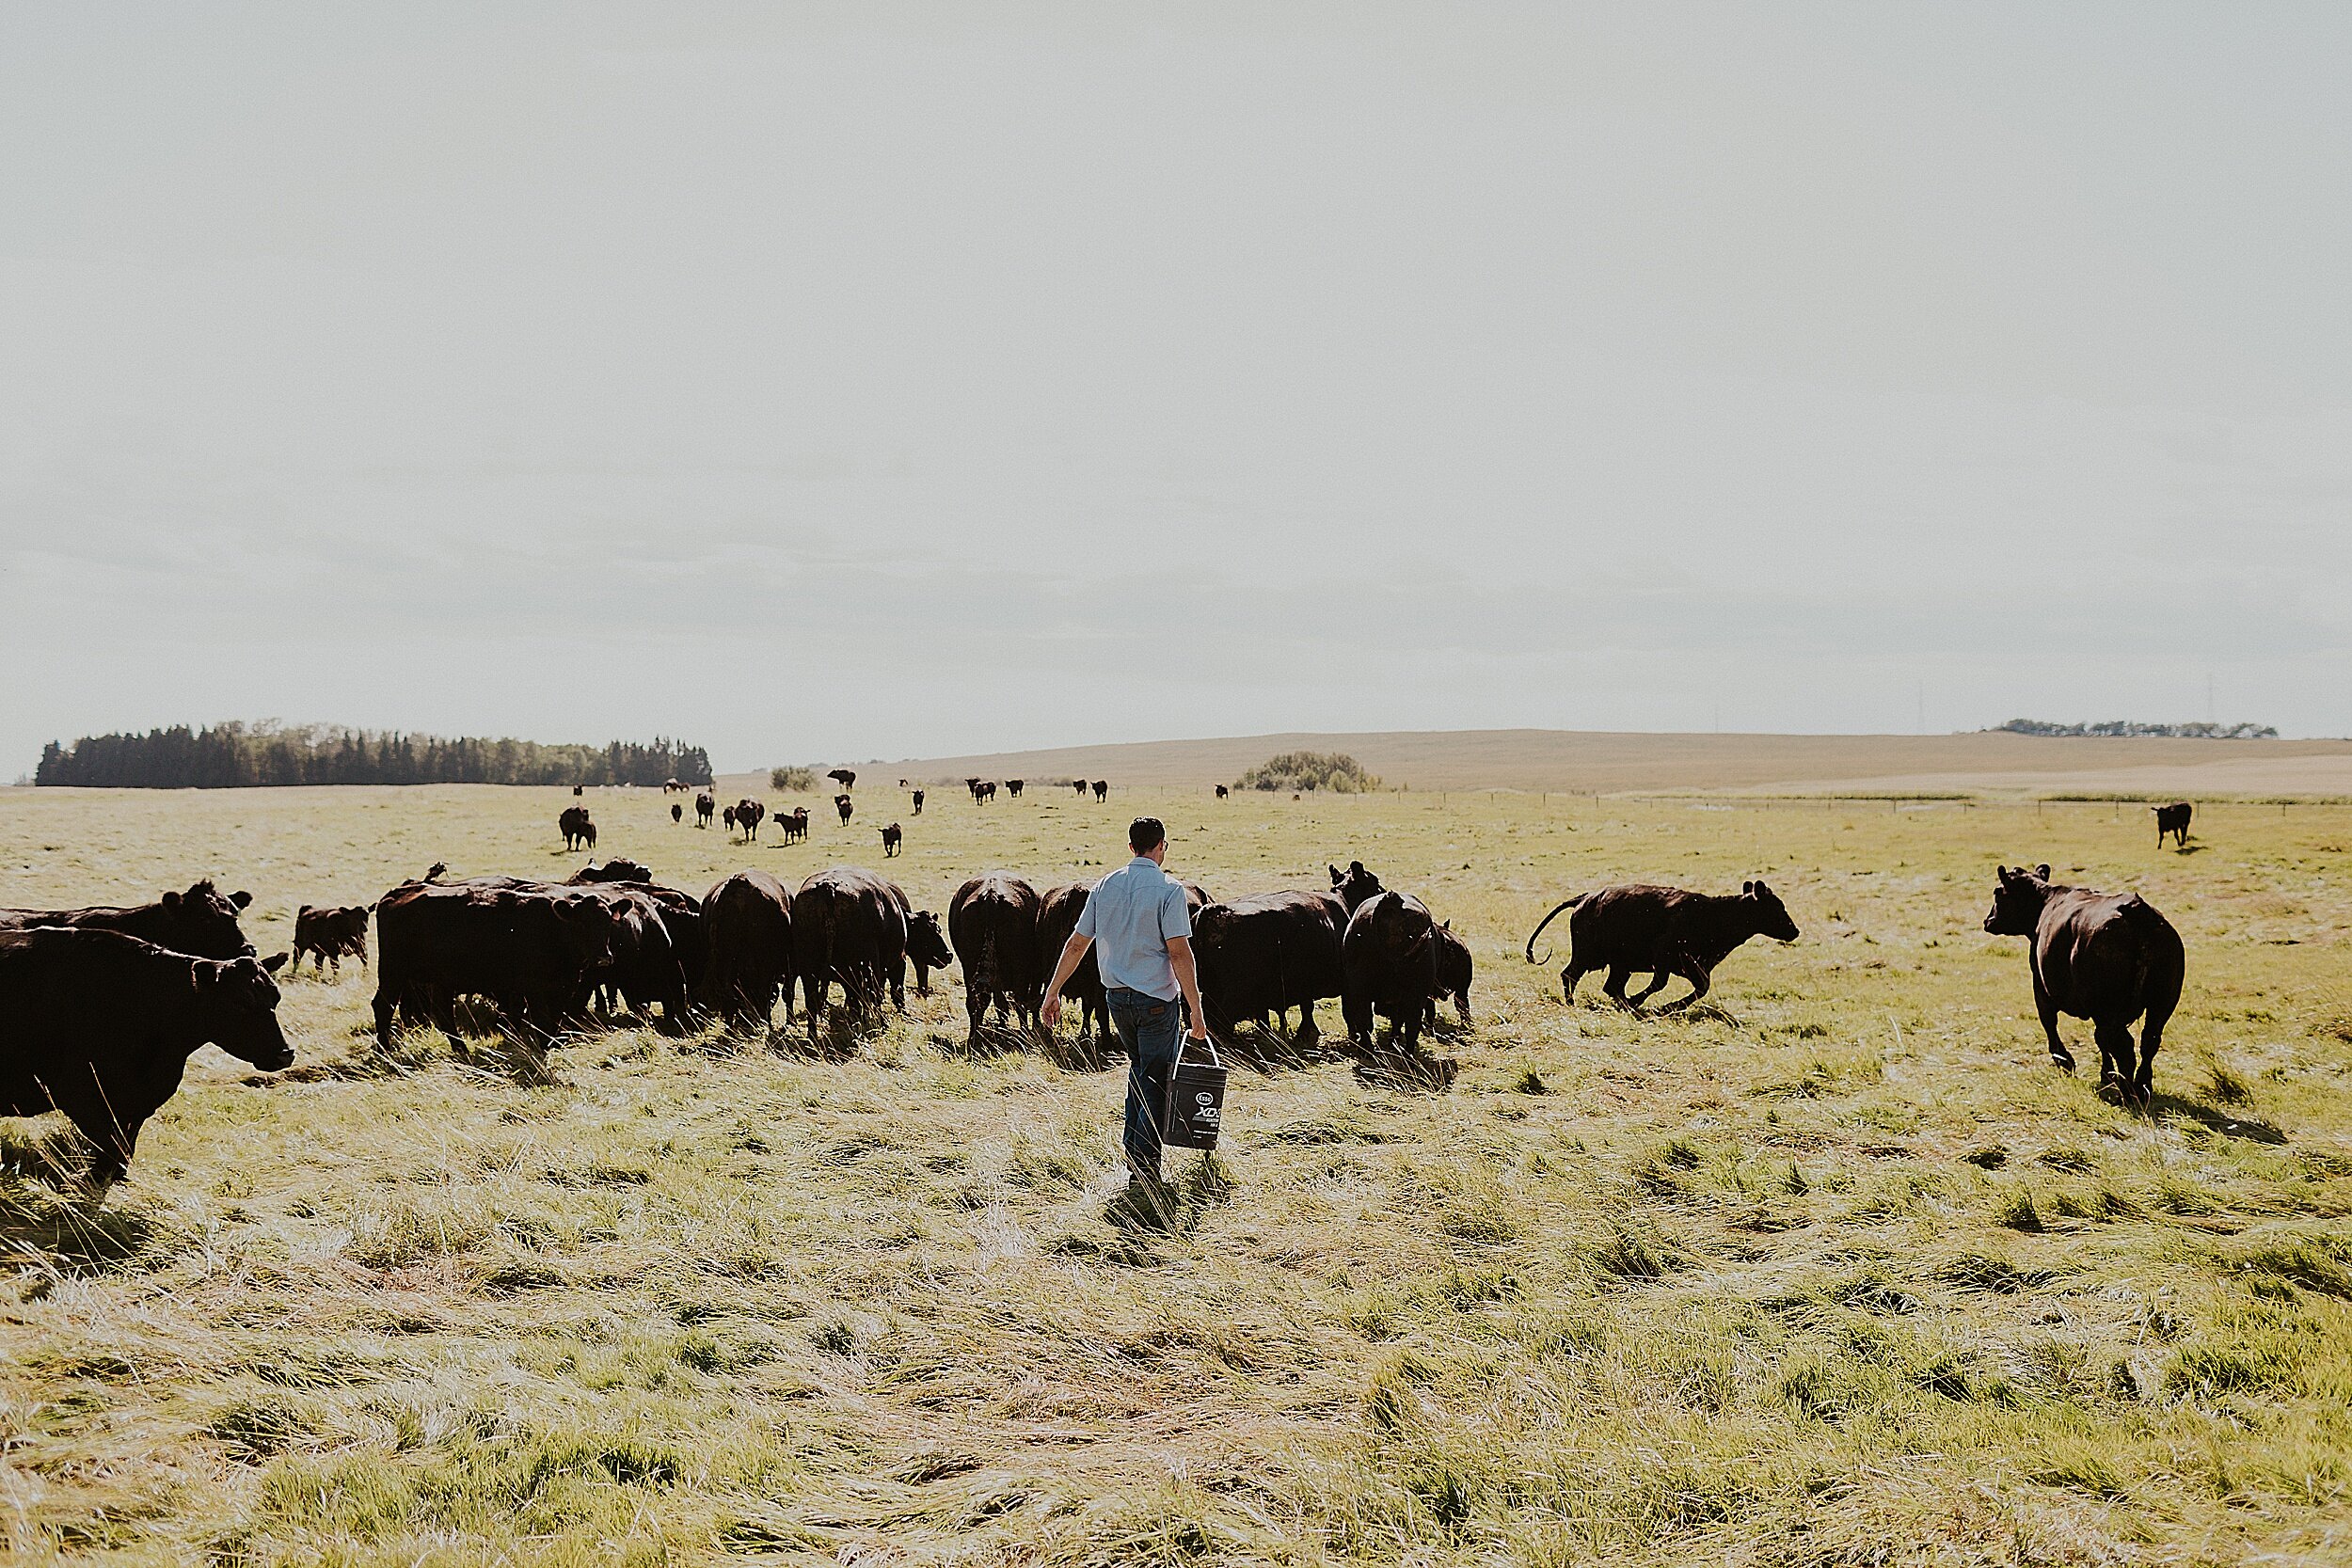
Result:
[[1546, 921]]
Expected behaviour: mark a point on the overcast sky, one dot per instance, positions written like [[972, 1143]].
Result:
[[830, 383]]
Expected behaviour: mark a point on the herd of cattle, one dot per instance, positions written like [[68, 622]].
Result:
[[100, 1007]]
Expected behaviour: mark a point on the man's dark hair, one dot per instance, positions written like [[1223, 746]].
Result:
[[1145, 835]]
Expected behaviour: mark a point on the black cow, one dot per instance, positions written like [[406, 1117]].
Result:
[[748, 816], [2106, 957], [653, 941], [844, 776], [576, 789], [531, 949], [1080, 786], [1267, 954], [1388, 968], [891, 837], [848, 926], [639, 972], [330, 936], [927, 944], [576, 828], [678, 812], [1661, 931], [100, 1025], [1222, 792], [2173, 819], [1354, 885], [794, 823], [993, 926], [618, 869], [972, 787], [706, 806], [986, 793], [1057, 916], [1012, 788], [1101, 789], [843, 804], [918, 803], [749, 923], [1453, 976], [201, 922], [728, 815]]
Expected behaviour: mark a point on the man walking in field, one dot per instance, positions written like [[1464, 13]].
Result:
[[1136, 921]]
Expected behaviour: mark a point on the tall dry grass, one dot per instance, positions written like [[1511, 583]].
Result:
[[1838, 1270]]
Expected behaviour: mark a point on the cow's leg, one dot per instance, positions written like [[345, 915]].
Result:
[[1409, 1027], [2116, 1067], [897, 987], [1657, 983], [2150, 1037], [976, 1006], [1614, 987], [2047, 1008], [1699, 986], [1461, 1000], [383, 1000]]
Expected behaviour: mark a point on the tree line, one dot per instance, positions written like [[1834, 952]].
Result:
[[2196, 730], [239, 756]]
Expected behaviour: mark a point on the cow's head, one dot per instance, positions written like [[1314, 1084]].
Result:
[[204, 922], [238, 1003], [926, 945], [585, 926], [1772, 916], [1354, 885], [2018, 895]]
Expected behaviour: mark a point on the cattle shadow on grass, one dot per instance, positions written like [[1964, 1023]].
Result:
[[2165, 1105], [51, 1218]]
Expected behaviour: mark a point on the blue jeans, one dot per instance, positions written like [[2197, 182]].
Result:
[[1151, 1029]]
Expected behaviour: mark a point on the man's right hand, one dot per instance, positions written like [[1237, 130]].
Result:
[[1049, 1014]]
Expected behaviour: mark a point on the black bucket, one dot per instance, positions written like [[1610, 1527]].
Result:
[[1196, 1097]]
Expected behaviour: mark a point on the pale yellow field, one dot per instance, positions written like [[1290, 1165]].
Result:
[[1839, 1271]]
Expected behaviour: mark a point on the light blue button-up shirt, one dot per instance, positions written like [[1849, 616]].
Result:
[[1131, 916]]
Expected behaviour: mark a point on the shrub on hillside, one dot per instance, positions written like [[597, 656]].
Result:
[[788, 780], [1301, 770]]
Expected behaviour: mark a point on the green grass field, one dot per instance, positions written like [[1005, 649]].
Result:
[[1838, 1271]]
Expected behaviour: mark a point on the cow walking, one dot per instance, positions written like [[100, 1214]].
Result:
[[1222, 792], [1661, 931], [2106, 957], [1012, 788], [678, 812], [993, 927], [844, 777], [706, 807], [100, 1025], [748, 816], [330, 936], [918, 803], [577, 829], [1101, 789], [2173, 819], [843, 804], [201, 920], [891, 837]]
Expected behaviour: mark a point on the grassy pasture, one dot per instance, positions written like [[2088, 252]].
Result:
[[1838, 1271]]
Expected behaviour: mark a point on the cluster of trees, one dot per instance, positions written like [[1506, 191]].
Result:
[[238, 755], [791, 781], [1302, 771], [2124, 726]]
